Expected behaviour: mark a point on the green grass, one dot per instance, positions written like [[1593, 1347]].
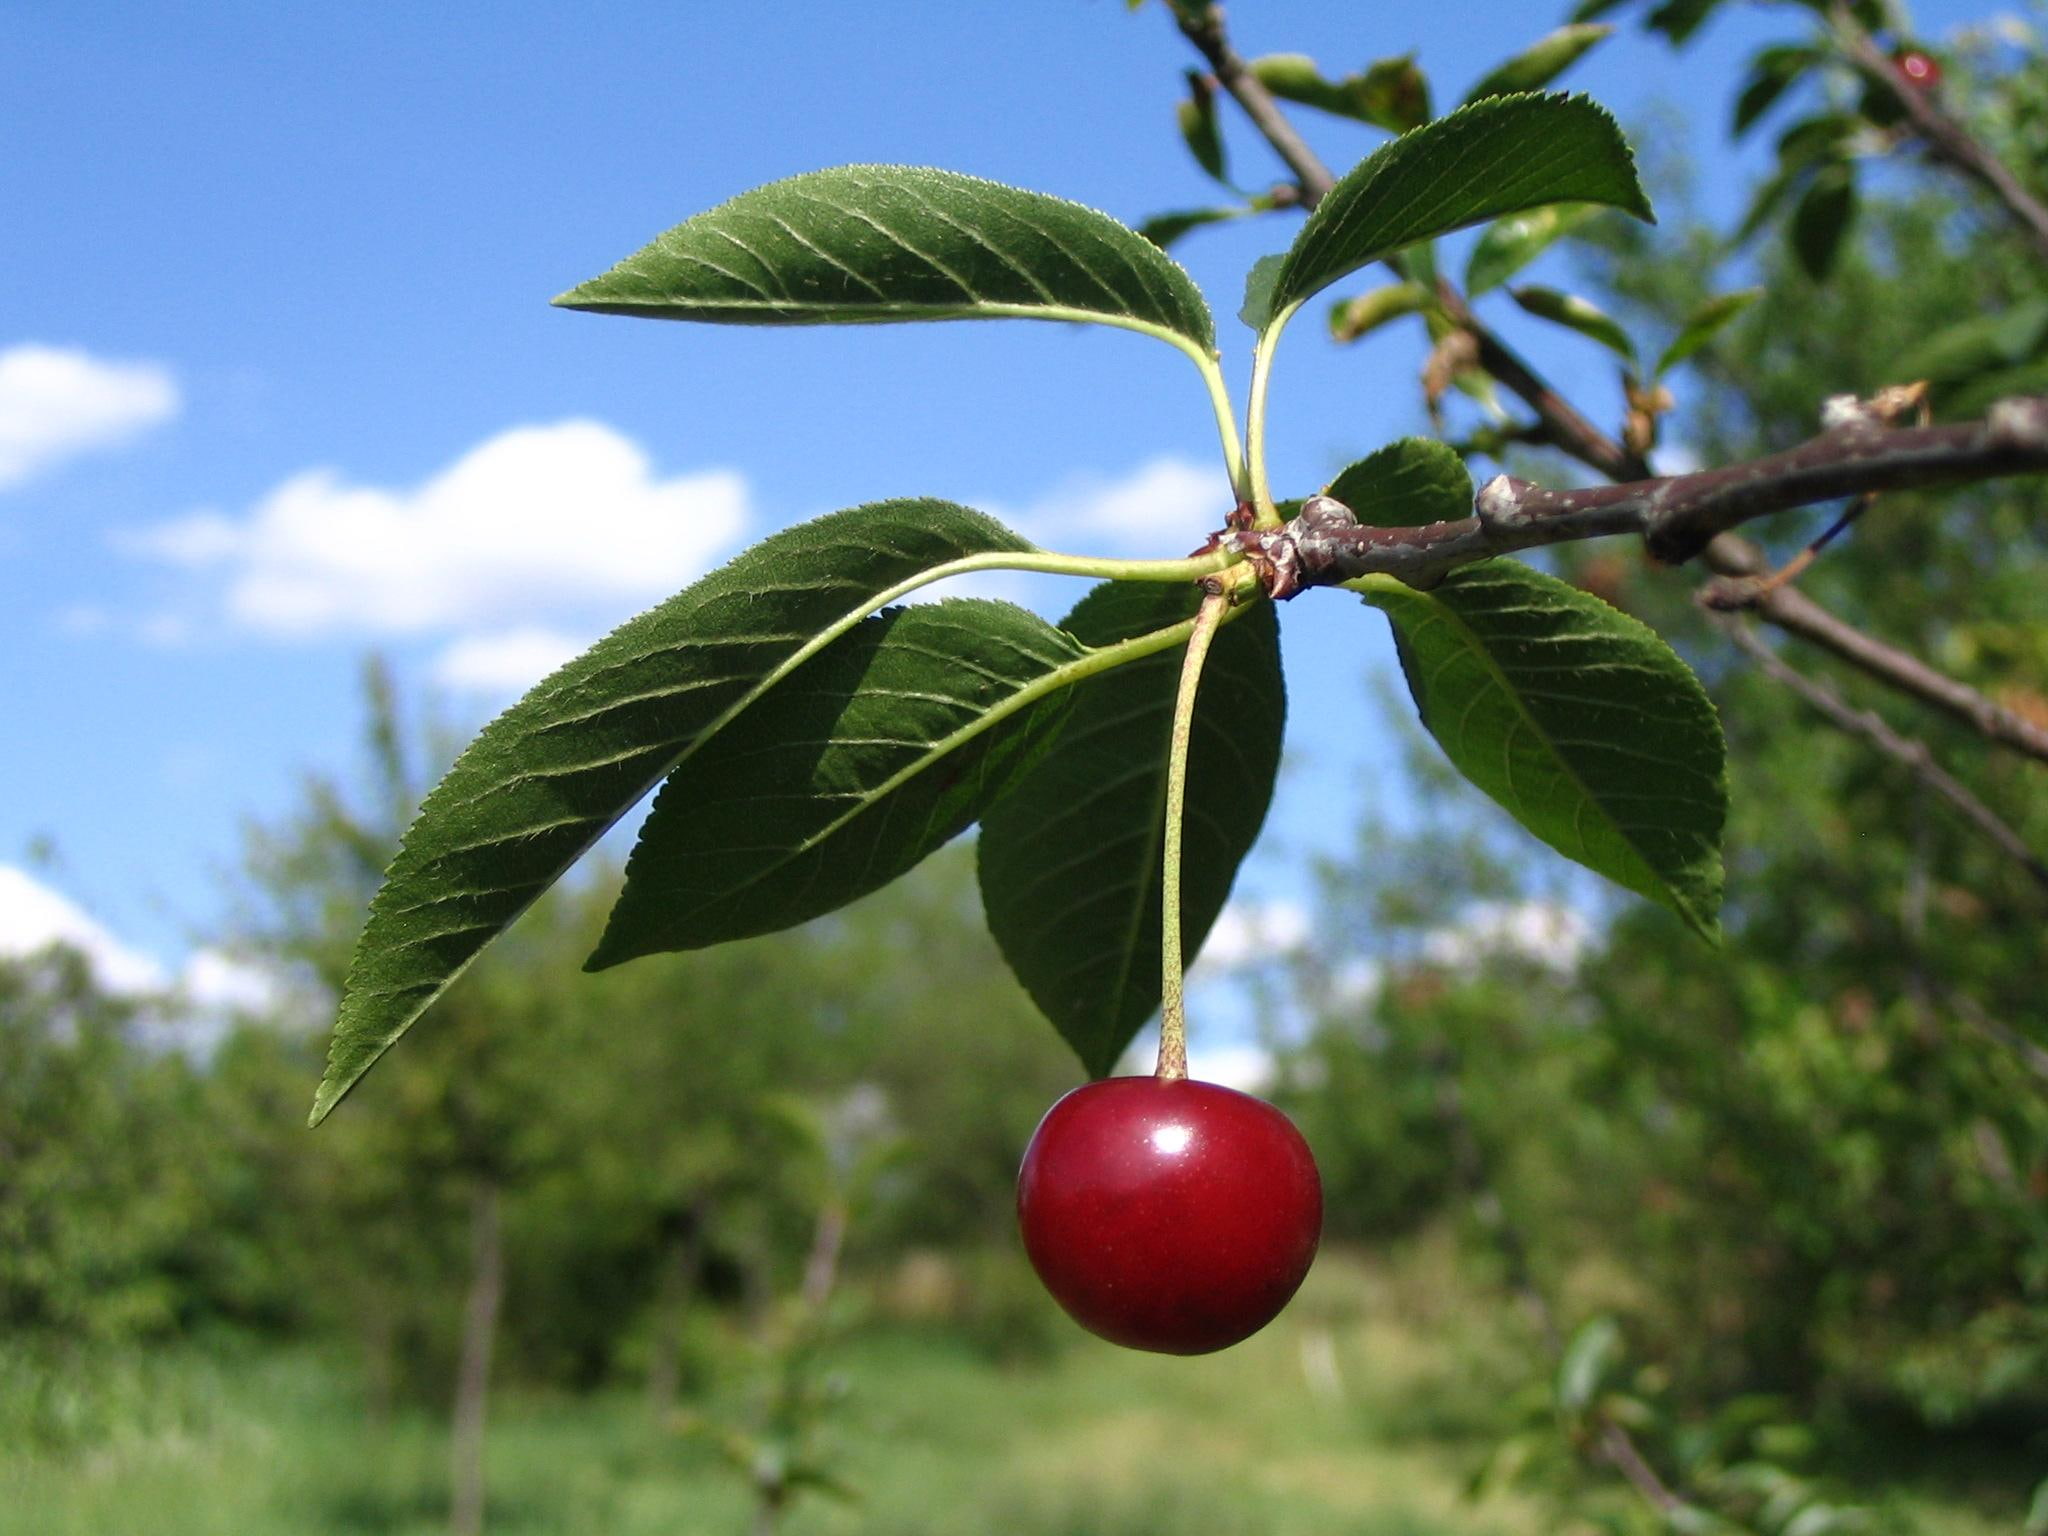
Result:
[[1362, 1413]]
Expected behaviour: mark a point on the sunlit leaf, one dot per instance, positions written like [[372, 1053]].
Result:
[[1578, 719], [1591, 1355], [1390, 93], [545, 779], [1541, 62], [1510, 244], [1407, 484], [1352, 318], [1575, 313], [1495, 157], [868, 243]]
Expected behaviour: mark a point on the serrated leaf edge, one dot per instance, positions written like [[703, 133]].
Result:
[[1385, 592]]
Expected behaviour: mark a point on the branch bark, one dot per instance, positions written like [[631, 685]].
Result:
[[1946, 139], [473, 1369], [1910, 754], [1791, 610], [1564, 428], [1203, 26], [1678, 516]]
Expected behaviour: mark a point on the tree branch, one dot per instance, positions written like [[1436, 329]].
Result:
[[1431, 552], [1912, 755], [1947, 140], [1740, 563], [1203, 26], [1677, 515]]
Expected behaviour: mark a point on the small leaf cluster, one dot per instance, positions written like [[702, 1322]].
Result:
[[813, 738], [1736, 1472]]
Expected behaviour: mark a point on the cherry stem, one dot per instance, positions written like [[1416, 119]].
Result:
[[1173, 1012]]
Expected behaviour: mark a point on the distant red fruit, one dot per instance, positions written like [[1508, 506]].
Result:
[[1169, 1215], [1919, 68]]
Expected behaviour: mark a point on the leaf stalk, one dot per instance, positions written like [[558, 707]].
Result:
[[1173, 1013]]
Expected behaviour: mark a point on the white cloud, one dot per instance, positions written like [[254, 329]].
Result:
[[33, 918], [1247, 1068], [542, 520], [1677, 459], [1544, 932], [217, 982], [506, 661], [1160, 510], [1250, 933], [191, 1009], [57, 403]]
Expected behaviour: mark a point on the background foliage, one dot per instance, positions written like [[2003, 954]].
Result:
[[1786, 1200]]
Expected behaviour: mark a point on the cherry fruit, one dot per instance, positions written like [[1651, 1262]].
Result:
[[1920, 69], [1167, 1214]]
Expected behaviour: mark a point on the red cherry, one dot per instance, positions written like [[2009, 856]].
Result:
[[1919, 68], [1169, 1215]]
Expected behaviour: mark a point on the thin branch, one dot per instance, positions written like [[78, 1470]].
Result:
[[1793, 611], [1562, 425], [1430, 552], [1910, 754], [1203, 26], [1677, 515], [1947, 140], [2030, 1055]]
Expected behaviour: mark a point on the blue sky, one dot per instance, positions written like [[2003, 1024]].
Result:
[[279, 381]]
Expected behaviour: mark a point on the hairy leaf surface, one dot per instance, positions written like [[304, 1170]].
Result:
[[1495, 157], [874, 753], [1578, 719], [869, 243], [1070, 858], [545, 779]]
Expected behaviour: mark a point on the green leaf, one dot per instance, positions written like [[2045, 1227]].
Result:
[[545, 779], [1352, 318], [1407, 484], [2002, 338], [866, 243], [1772, 72], [1198, 127], [1510, 244], [1257, 309], [1679, 19], [874, 753], [1578, 719], [1588, 1359], [1568, 309], [1163, 229], [1070, 858], [1821, 221], [1961, 401], [1704, 323], [1541, 62], [1390, 93], [1492, 158]]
